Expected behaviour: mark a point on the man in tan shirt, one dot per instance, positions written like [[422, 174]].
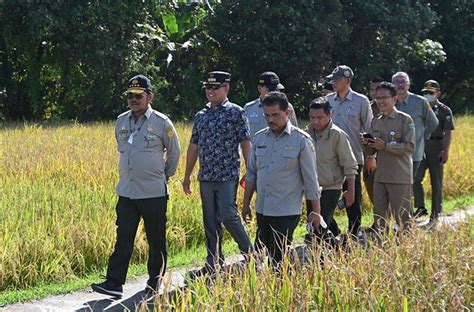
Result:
[[336, 162], [393, 139]]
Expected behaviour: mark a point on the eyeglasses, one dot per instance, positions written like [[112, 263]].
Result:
[[213, 87], [130, 96], [399, 82], [382, 98], [429, 92]]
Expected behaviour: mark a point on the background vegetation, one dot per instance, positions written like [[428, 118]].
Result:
[[57, 200], [70, 59]]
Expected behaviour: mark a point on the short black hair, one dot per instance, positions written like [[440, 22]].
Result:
[[276, 97], [321, 102], [377, 79], [388, 86]]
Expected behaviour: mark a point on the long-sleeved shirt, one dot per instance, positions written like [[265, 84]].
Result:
[[424, 118], [353, 115], [283, 168], [149, 154], [394, 163], [335, 159]]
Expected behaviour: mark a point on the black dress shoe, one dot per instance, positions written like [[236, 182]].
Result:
[[109, 288], [420, 211]]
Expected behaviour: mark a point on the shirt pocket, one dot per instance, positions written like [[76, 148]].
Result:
[[261, 156], [290, 157], [151, 141], [253, 119]]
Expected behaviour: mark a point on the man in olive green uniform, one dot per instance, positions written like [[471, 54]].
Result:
[[149, 154], [436, 153], [394, 142]]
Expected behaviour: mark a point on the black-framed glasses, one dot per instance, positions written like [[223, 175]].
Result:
[[429, 92], [139, 96], [213, 87], [382, 98]]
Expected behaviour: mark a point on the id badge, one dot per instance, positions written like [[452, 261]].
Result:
[[130, 138]]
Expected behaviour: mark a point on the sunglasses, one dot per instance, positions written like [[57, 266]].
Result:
[[213, 87], [429, 92], [130, 96]]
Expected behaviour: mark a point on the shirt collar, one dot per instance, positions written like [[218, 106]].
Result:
[[348, 96], [224, 103], [287, 130], [147, 113]]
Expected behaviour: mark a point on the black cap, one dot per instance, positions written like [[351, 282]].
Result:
[[138, 84], [431, 86], [217, 78], [271, 81], [340, 71]]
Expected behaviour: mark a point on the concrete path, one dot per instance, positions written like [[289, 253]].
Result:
[[134, 294]]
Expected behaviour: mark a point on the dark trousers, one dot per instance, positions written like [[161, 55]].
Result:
[[129, 211], [276, 233], [219, 207], [354, 212], [432, 162], [328, 203], [369, 184]]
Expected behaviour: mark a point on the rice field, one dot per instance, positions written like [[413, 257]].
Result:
[[57, 204]]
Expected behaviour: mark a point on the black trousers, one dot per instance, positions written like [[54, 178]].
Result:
[[328, 203], [354, 212], [129, 211], [276, 233]]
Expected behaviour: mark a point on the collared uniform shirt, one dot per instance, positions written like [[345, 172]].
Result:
[[283, 168], [353, 115], [218, 133], [149, 154], [394, 163], [445, 118], [335, 159], [424, 118], [256, 116]]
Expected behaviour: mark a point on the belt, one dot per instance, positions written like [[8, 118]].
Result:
[[436, 138]]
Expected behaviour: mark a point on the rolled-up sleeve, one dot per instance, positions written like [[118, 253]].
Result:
[[308, 170]]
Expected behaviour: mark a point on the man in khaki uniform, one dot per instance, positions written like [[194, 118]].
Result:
[[393, 139], [149, 154], [281, 168], [336, 162]]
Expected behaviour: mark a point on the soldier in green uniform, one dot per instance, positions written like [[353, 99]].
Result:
[[436, 153]]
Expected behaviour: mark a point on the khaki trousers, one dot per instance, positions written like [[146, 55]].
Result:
[[395, 199]]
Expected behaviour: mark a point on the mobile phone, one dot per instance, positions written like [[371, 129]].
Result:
[[341, 203], [368, 136]]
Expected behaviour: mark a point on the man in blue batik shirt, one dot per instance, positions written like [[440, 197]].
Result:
[[218, 130]]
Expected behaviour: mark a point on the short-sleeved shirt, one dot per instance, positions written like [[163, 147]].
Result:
[[218, 132], [149, 154], [353, 115], [256, 116], [424, 118], [445, 118], [283, 168], [394, 163]]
